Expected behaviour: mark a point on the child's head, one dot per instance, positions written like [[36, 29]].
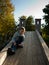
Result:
[[22, 30]]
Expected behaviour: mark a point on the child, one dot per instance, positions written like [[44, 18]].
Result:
[[17, 39]]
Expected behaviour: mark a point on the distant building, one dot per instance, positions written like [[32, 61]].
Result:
[[38, 24], [22, 22]]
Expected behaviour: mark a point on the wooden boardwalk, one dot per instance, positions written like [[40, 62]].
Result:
[[31, 54]]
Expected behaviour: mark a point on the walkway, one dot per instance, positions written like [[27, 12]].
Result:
[[31, 54]]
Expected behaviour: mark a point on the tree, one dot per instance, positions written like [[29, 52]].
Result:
[[6, 16], [46, 18], [23, 17], [29, 23], [7, 22]]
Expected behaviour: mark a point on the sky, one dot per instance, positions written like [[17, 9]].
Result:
[[29, 7]]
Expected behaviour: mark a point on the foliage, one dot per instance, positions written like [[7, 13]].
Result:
[[45, 30], [46, 18], [23, 17], [46, 39], [6, 16], [7, 22], [29, 23]]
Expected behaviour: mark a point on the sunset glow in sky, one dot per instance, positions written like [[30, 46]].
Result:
[[29, 7]]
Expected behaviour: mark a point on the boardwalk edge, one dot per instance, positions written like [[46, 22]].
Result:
[[3, 53], [44, 47]]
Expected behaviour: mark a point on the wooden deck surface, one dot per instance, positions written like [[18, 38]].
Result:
[[30, 54]]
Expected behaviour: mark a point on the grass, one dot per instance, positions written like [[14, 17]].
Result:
[[46, 38], [47, 41]]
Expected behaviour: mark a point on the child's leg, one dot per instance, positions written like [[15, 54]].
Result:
[[13, 47], [19, 42]]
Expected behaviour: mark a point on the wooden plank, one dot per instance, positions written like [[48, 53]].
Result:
[[30, 54]]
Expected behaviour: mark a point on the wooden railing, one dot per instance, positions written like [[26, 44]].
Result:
[[45, 48], [3, 53]]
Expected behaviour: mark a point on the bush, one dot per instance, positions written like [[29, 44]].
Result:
[[46, 39]]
